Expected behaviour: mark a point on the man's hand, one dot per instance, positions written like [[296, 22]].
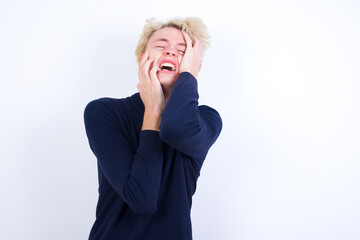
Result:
[[151, 92], [192, 59]]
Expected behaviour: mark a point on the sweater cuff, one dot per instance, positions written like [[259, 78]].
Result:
[[187, 81], [187, 76], [150, 140]]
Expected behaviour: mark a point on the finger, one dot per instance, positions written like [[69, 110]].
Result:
[[142, 68], [153, 72], [152, 63], [187, 39], [197, 42], [153, 66], [145, 69], [142, 77], [142, 73], [200, 48], [144, 57]]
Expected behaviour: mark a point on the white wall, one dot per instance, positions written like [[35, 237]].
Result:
[[283, 75]]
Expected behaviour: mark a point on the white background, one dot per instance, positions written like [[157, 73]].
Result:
[[284, 76]]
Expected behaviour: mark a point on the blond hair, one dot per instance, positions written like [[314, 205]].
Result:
[[191, 25]]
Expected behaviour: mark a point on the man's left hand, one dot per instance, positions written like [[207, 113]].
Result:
[[192, 59]]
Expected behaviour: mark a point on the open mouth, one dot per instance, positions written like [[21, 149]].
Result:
[[166, 66]]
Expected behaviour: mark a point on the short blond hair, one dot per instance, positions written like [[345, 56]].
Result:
[[191, 25]]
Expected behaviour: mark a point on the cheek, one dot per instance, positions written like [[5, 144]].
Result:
[[154, 54]]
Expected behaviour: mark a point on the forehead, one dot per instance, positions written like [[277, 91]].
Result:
[[169, 34]]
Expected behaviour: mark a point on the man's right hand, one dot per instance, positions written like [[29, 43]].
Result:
[[151, 92]]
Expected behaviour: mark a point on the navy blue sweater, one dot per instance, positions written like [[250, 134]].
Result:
[[147, 178]]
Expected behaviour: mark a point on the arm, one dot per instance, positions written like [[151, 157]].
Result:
[[190, 128], [135, 174]]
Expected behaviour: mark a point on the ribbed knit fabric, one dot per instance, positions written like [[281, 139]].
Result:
[[147, 178]]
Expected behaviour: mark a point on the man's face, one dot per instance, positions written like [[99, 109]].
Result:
[[168, 46]]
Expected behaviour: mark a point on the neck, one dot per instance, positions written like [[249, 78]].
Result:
[[167, 92]]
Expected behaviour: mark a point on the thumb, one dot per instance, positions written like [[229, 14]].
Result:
[[153, 73]]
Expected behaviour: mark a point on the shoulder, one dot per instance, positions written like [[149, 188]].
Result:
[[107, 104], [106, 107], [100, 105]]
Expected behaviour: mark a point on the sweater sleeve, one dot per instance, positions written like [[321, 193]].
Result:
[[135, 174], [190, 128]]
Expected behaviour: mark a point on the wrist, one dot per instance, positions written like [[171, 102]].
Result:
[[193, 74], [151, 121]]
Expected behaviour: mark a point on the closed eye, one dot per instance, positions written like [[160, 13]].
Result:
[[162, 47]]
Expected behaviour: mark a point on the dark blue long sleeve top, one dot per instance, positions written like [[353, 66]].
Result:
[[147, 178]]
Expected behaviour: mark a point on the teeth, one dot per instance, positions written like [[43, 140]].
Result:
[[168, 65]]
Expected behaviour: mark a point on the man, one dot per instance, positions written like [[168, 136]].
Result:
[[150, 146]]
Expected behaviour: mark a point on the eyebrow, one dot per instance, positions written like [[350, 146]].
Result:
[[166, 40]]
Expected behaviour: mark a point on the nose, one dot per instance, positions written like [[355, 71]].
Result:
[[170, 52]]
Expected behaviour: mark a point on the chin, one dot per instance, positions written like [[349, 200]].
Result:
[[167, 80]]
